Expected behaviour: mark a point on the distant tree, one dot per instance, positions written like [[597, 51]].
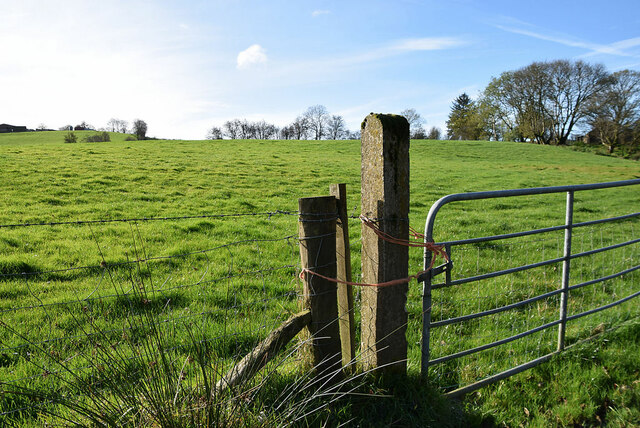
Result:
[[614, 113], [317, 117], [286, 132], [300, 128], [434, 133], [66, 128], [490, 118], [544, 101], [70, 137], [247, 130], [500, 108], [214, 133], [336, 127], [117, 125], [139, 129], [232, 129], [418, 133], [41, 127], [353, 135], [111, 125], [416, 121], [573, 85], [463, 123], [83, 126], [264, 130]]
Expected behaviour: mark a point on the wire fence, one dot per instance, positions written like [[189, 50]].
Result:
[[67, 288]]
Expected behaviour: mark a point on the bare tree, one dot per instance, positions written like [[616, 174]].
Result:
[[286, 132], [264, 130], [574, 84], [317, 116], [214, 133], [353, 135], [336, 127], [139, 129], [232, 129], [247, 130], [415, 123], [112, 125], [300, 128], [117, 125]]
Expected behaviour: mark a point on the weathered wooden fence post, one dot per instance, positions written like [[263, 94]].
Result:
[[345, 291], [385, 199], [317, 230]]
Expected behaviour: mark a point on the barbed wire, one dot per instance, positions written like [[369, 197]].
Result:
[[148, 259], [144, 219], [155, 290]]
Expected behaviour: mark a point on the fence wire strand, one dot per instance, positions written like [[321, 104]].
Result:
[[233, 293]]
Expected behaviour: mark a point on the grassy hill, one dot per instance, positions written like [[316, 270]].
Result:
[[242, 247]]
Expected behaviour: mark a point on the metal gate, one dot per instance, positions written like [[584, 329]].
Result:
[[550, 294]]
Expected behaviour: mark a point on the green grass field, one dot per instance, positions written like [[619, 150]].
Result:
[[231, 276]]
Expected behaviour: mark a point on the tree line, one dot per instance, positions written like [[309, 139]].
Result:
[[548, 102], [316, 123], [138, 127]]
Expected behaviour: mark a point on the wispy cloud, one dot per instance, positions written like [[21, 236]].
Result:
[[320, 12], [619, 48], [427, 44], [348, 65], [253, 55], [327, 66]]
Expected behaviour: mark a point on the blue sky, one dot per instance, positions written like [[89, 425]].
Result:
[[185, 66]]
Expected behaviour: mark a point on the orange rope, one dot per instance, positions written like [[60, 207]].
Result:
[[436, 249], [360, 284]]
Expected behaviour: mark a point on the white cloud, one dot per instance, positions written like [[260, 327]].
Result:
[[253, 55], [320, 12]]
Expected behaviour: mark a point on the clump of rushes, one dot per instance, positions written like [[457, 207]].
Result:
[[133, 378]]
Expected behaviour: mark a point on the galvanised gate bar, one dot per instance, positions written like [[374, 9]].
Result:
[[563, 291]]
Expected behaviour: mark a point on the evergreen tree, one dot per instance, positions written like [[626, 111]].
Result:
[[464, 122]]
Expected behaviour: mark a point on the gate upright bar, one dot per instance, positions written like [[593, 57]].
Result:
[[566, 267]]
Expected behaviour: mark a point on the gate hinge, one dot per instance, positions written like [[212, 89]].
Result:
[[436, 270]]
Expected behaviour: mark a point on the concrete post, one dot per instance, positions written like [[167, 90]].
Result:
[[385, 199]]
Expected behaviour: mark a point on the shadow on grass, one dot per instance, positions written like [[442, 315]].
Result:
[[402, 401]]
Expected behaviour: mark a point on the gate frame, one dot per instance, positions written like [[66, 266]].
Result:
[[563, 290]]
